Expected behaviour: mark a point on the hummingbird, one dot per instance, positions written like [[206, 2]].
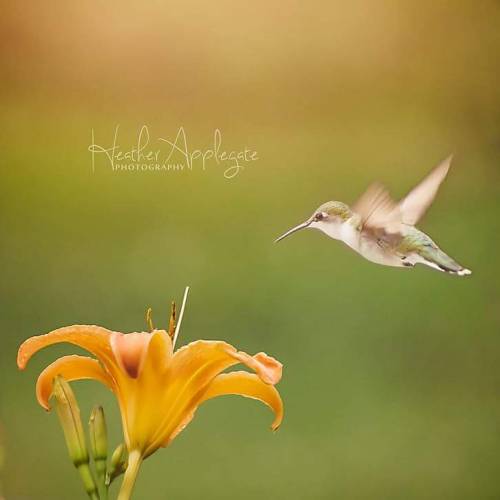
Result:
[[383, 230]]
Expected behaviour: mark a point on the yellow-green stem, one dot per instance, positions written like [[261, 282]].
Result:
[[134, 463], [88, 481]]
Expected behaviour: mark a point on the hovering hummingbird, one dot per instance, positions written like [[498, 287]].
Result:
[[383, 230]]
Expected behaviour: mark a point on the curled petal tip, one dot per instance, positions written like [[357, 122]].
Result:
[[278, 419], [22, 356], [247, 385], [90, 337], [70, 368], [21, 363], [266, 367], [273, 368]]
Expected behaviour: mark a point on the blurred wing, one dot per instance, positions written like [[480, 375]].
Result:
[[376, 207], [418, 200]]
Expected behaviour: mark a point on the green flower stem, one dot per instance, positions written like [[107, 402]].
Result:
[[99, 446], [88, 481], [134, 463]]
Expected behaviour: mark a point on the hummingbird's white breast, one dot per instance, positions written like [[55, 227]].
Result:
[[361, 242]]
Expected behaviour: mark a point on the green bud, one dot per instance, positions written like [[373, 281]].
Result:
[[118, 463], [71, 422], [69, 416], [119, 456], [98, 440]]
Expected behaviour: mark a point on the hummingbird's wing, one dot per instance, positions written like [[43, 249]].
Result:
[[419, 199], [379, 211], [376, 207]]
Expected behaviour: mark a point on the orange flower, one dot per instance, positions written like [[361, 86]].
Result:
[[158, 390]]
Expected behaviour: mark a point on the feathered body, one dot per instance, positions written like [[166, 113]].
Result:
[[382, 230]]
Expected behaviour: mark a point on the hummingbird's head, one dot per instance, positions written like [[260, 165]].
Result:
[[328, 218]]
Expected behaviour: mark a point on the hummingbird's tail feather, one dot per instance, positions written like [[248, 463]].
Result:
[[436, 258]]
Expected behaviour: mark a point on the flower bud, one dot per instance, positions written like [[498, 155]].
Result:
[[98, 440], [118, 463], [69, 416]]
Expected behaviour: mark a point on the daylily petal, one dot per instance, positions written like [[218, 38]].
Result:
[[268, 368], [190, 358], [94, 339], [70, 368], [194, 367], [130, 350], [248, 385], [239, 383], [203, 353], [191, 369], [159, 354], [151, 385]]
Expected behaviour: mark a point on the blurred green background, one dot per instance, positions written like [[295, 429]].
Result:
[[391, 381]]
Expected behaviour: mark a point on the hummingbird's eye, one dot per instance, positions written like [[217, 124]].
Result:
[[318, 216]]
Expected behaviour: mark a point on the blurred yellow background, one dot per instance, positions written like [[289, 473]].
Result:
[[391, 382]]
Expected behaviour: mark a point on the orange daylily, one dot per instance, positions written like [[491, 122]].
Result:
[[158, 390]]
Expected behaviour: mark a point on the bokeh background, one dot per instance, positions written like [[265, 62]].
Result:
[[392, 378]]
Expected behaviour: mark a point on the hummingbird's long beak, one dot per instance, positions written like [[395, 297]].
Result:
[[293, 230]]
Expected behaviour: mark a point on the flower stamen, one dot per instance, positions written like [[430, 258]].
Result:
[[171, 321], [149, 319]]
